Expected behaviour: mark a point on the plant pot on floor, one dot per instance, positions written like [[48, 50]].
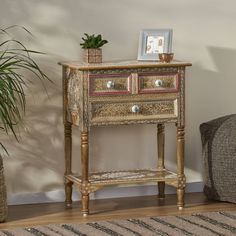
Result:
[[3, 194], [92, 55]]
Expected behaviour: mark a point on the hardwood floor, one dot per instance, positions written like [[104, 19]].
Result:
[[106, 209]]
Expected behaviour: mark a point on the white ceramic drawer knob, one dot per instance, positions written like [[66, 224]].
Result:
[[135, 109], [110, 84], [158, 83]]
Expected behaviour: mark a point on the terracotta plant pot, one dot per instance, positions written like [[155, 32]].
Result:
[[92, 55], [3, 194]]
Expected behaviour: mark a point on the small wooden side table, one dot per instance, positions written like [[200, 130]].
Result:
[[122, 93]]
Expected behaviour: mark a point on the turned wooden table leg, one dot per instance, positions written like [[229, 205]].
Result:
[[180, 167], [68, 149], [161, 157], [85, 166], [67, 138]]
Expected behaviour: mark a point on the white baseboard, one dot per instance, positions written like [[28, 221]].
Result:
[[111, 192]]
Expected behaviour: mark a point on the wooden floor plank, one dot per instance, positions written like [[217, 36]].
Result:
[[107, 209]]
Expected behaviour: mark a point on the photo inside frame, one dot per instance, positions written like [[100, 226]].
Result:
[[155, 44]]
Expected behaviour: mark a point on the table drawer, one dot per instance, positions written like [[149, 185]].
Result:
[[109, 84], [119, 111], [158, 83]]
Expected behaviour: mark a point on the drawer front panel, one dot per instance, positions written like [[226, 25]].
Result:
[[117, 111], [158, 83], [109, 84]]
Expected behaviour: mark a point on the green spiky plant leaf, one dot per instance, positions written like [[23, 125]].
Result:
[[15, 61], [92, 41]]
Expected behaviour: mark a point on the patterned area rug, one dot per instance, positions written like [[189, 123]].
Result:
[[206, 224]]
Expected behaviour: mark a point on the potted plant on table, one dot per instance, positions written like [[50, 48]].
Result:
[[15, 62], [92, 48]]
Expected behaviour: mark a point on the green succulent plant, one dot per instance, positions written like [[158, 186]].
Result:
[[15, 61], [92, 41]]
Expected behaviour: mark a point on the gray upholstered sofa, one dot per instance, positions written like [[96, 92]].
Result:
[[219, 156]]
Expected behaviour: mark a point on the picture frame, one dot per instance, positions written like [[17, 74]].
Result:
[[152, 42]]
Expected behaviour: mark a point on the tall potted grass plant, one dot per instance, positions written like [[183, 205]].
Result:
[[16, 64]]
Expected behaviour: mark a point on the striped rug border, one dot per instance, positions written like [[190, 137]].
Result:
[[221, 223]]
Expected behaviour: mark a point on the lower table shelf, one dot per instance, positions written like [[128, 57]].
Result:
[[127, 177]]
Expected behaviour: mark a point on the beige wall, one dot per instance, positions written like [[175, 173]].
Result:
[[204, 34]]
